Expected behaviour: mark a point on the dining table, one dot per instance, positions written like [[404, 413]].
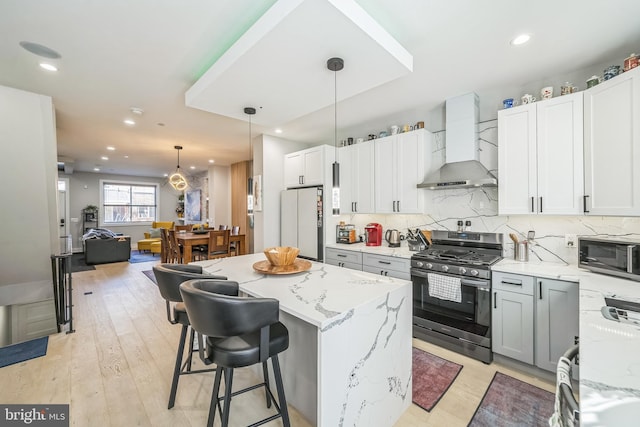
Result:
[[189, 239]]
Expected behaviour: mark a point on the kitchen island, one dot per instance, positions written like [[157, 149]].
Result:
[[609, 363], [349, 359]]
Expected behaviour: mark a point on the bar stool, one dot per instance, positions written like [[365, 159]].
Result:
[[169, 277], [240, 332]]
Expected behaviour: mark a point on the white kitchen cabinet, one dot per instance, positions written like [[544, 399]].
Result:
[[556, 320], [534, 320], [401, 162], [356, 178], [387, 265], [344, 258], [612, 146], [512, 316], [540, 157], [305, 168]]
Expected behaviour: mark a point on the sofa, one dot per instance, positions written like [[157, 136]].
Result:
[[102, 251], [153, 236]]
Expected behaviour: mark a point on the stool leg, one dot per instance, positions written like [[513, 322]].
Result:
[[214, 398], [228, 381], [265, 371], [176, 369], [192, 335], [279, 386]]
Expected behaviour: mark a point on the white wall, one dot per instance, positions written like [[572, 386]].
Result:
[[219, 195], [28, 230]]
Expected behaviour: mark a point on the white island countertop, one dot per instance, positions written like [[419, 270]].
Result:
[[609, 350]]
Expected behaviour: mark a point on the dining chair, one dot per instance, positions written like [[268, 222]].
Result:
[[219, 244], [175, 250], [241, 332], [185, 227], [169, 277], [233, 246], [223, 227]]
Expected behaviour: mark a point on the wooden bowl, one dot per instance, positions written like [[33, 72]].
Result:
[[281, 255]]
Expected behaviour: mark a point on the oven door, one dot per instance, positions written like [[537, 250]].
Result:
[[471, 316]]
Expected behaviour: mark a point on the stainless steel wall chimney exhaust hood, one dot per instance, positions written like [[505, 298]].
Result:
[[462, 168]]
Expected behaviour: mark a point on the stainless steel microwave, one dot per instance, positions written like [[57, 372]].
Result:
[[616, 257]]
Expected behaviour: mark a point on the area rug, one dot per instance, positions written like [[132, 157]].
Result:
[[432, 377], [511, 402], [150, 275], [20, 352], [143, 257], [78, 263]]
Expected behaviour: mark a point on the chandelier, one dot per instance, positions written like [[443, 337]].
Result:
[[177, 179]]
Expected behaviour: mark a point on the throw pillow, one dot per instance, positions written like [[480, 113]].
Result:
[[154, 233]]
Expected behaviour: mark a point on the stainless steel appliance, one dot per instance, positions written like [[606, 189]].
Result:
[[616, 257], [392, 237], [452, 291], [302, 221]]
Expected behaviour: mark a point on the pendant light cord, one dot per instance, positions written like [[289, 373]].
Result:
[[335, 113]]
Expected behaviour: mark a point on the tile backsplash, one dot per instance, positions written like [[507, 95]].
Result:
[[480, 206]]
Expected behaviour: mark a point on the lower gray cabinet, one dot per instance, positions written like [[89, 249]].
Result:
[[557, 322], [344, 258], [387, 265], [534, 320]]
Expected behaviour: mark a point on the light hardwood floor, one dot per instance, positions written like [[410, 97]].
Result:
[[115, 370]]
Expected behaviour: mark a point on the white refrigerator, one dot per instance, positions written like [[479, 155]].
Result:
[[302, 221]]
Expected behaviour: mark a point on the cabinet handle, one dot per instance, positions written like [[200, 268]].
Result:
[[584, 203], [382, 272], [495, 300], [506, 282], [398, 205], [384, 262], [532, 208], [539, 289], [394, 205], [540, 204], [355, 206], [341, 255]]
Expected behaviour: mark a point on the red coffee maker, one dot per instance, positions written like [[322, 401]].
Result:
[[373, 234]]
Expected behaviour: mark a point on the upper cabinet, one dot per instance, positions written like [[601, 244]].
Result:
[[356, 178], [612, 146], [540, 157], [400, 164], [305, 168]]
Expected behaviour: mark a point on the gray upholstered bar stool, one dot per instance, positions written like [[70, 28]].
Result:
[[240, 332], [169, 277]]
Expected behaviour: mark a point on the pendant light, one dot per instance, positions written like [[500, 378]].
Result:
[[250, 111], [335, 65], [177, 179]]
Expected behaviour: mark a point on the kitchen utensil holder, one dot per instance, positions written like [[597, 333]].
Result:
[[521, 251]]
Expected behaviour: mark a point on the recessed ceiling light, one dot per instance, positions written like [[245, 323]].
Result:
[[165, 175], [96, 169], [211, 161], [278, 130], [192, 167], [129, 122], [48, 67], [40, 50], [126, 157], [104, 158], [110, 148], [136, 110], [521, 39]]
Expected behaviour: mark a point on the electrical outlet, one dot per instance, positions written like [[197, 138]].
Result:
[[570, 240]]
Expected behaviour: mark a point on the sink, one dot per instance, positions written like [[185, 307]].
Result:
[[622, 412]]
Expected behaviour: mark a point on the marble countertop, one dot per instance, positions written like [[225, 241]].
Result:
[[320, 296], [384, 249], [609, 350]]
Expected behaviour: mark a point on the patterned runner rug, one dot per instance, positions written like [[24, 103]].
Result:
[[432, 377], [511, 402]]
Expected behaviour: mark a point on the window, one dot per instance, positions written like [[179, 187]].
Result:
[[128, 202]]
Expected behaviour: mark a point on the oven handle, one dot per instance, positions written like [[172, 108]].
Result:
[[463, 280]]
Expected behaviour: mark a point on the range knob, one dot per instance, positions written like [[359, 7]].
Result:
[[429, 266], [474, 272], [462, 270], [419, 264], [445, 268]]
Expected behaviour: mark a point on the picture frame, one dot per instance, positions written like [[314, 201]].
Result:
[[192, 205]]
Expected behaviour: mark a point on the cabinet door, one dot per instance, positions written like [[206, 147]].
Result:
[[559, 155], [293, 169], [612, 146], [313, 160], [411, 164], [385, 171], [363, 182], [556, 320], [346, 158], [517, 160], [512, 325]]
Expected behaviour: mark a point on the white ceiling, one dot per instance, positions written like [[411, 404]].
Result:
[[147, 53]]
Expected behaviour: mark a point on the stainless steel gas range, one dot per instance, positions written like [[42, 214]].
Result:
[[452, 291]]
